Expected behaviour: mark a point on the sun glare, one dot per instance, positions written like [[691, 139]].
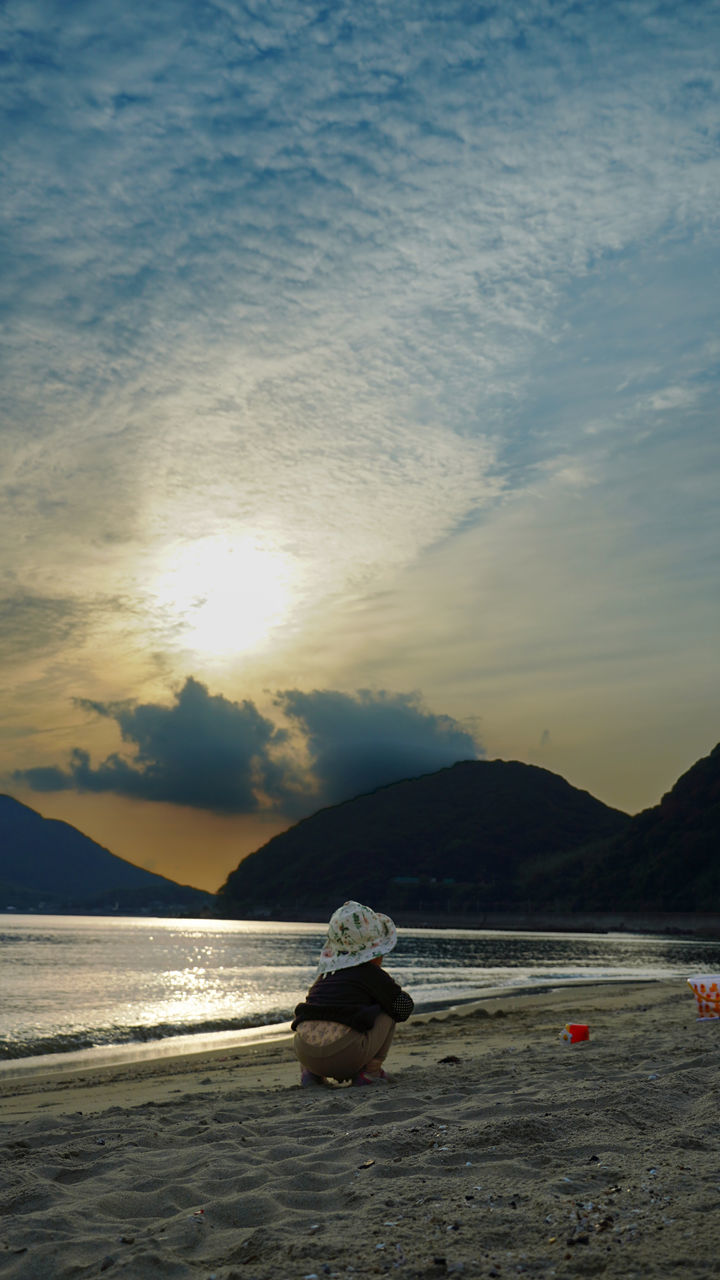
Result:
[[224, 596]]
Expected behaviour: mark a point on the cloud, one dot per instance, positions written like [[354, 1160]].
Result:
[[362, 741], [32, 624], [299, 232], [351, 280], [203, 751], [673, 398], [208, 752]]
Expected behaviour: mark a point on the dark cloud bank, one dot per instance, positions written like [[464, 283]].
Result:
[[210, 753]]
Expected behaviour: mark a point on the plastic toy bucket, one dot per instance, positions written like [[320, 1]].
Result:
[[706, 990], [574, 1032]]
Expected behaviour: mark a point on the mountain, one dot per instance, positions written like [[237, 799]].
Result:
[[51, 866], [666, 859], [457, 840]]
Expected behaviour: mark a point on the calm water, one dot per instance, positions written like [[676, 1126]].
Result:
[[74, 982]]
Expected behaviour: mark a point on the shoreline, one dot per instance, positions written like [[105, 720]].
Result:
[[56, 1073], [661, 924], [29, 1066], [687, 924]]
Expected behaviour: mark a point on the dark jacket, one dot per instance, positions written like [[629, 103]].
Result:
[[354, 997]]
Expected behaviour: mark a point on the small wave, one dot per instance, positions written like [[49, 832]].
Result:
[[105, 1037]]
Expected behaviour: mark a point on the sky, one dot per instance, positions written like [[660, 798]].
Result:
[[360, 374]]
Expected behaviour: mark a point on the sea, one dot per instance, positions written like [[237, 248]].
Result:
[[84, 990]]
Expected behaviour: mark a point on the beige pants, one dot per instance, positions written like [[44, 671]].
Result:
[[345, 1057]]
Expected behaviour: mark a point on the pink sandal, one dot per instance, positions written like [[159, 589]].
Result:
[[363, 1078]]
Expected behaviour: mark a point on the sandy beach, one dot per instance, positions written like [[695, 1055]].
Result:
[[497, 1150]]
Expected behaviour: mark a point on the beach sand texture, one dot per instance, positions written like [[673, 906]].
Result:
[[527, 1155]]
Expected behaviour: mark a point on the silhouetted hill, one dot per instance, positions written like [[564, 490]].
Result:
[[52, 866], [448, 841], [667, 858]]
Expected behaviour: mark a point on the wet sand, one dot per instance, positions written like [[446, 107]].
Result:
[[498, 1150]]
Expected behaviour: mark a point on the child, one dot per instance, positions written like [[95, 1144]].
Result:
[[345, 1026]]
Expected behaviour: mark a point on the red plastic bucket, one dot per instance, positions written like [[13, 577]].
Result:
[[574, 1032]]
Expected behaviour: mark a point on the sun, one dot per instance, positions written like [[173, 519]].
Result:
[[220, 595]]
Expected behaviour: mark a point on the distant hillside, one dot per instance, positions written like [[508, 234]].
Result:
[[666, 859], [454, 840], [52, 866]]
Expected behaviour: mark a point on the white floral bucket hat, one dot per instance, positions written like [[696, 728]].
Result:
[[355, 934]]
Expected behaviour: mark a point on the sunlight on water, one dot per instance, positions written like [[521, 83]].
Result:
[[71, 983]]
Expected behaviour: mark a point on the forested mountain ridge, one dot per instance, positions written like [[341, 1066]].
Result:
[[478, 837], [49, 865], [666, 859], [458, 839]]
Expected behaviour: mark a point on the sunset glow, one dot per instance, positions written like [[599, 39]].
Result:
[[219, 596], [359, 405]]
